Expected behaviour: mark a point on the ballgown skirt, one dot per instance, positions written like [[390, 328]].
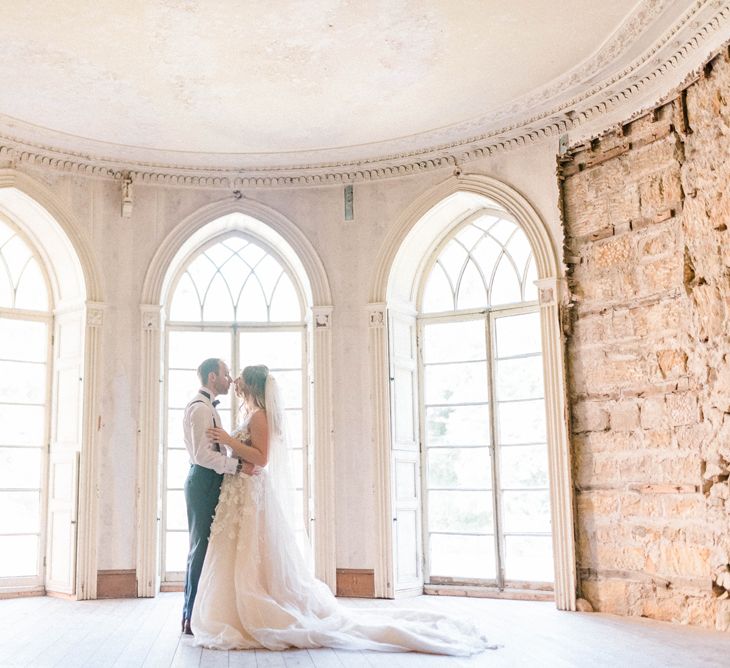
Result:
[[257, 591]]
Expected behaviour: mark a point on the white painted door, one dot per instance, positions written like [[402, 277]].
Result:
[[65, 446], [405, 456], [62, 503]]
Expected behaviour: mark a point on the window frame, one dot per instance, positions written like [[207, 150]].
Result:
[[38, 580], [233, 329], [488, 315]]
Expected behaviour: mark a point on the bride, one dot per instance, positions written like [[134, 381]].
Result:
[[256, 589]]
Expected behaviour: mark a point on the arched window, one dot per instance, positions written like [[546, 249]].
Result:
[[486, 503], [25, 352], [237, 299]]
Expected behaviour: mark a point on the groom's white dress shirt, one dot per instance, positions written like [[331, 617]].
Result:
[[198, 417]]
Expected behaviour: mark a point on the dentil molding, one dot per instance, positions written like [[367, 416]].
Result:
[[612, 86]]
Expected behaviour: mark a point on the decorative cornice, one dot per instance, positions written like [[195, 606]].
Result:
[[566, 104]]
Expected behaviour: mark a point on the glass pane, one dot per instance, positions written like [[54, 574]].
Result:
[[486, 253], [16, 254], [218, 301], [523, 466], [23, 340], [462, 556], [529, 558], [22, 425], [285, 305], [268, 272], [20, 512], [457, 425], [20, 468], [188, 349], [277, 350], [469, 235], [452, 259], [506, 286], [252, 254], [520, 378], [290, 384], [472, 291], [294, 428], [178, 467], [459, 467], [252, 302], [297, 467], [7, 291], [502, 230], [177, 545], [456, 383], [526, 512], [201, 270], [219, 253], [175, 428], [520, 250], [235, 243], [182, 386], [177, 514], [522, 422], [32, 292], [185, 303], [235, 272], [454, 341], [23, 382], [438, 294], [18, 556], [460, 511], [518, 334]]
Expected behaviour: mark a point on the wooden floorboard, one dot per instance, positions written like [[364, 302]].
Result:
[[52, 632]]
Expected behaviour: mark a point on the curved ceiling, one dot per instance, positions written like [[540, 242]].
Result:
[[179, 81]]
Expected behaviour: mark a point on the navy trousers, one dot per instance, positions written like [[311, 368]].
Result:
[[202, 489]]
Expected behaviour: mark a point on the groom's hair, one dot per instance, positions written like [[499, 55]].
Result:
[[211, 365]]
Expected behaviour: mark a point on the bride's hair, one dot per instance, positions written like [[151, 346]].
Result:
[[254, 384]]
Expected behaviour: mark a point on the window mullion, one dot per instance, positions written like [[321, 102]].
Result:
[[494, 451]]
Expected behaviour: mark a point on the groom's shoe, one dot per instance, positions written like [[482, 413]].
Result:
[[186, 627]]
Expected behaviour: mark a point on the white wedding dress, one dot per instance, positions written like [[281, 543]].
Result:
[[256, 590]]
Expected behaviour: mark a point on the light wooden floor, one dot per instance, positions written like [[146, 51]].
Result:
[[145, 632]]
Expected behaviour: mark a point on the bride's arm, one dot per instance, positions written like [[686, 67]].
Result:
[[256, 453]]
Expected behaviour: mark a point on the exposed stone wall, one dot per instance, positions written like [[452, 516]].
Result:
[[646, 211]]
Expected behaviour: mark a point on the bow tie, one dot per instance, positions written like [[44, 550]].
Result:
[[215, 403]]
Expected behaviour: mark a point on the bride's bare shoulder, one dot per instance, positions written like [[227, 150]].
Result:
[[257, 419]]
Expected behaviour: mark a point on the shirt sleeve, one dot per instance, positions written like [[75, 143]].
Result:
[[203, 453]]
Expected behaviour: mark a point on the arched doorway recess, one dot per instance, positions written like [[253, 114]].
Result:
[[409, 252], [249, 235], [50, 320]]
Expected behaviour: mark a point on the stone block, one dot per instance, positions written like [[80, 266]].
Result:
[[683, 409], [624, 416], [589, 416], [653, 413]]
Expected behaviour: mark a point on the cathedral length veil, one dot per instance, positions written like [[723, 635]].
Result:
[[257, 588]]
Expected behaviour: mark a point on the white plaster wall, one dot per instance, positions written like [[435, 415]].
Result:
[[123, 249]]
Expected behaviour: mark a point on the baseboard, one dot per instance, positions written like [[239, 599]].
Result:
[[22, 592], [166, 587], [116, 584], [355, 583], [486, 592]]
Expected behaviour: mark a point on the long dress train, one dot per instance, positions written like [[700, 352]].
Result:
[[257, 591]]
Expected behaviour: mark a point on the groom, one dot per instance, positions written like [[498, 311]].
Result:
[[208, 463]]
